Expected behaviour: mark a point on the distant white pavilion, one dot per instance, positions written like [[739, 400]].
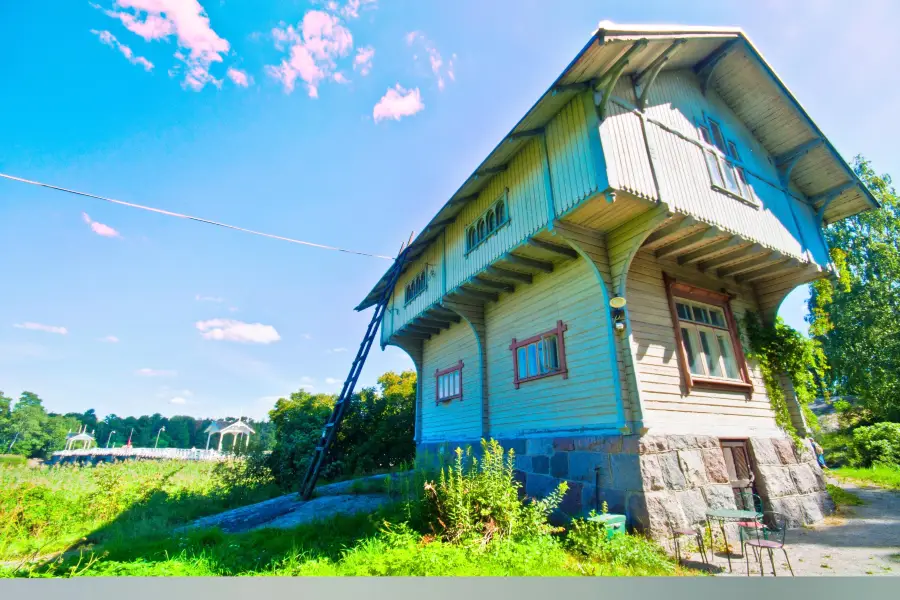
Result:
[[86, 439], [236, 429]]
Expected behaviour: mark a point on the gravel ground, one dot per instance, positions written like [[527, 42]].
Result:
[[862, 540]]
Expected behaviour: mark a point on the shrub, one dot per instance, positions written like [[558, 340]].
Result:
[[12, 460], [876, 444], [625, 551], [480, 499]]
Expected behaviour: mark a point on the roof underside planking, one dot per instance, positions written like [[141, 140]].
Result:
[[726, 60]]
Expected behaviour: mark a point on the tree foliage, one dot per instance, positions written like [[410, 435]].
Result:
[[855, 316]]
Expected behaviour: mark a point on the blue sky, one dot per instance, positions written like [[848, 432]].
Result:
[[345, 123]]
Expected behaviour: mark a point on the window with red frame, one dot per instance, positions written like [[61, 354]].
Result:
[[709, 347], [542, 355], [448, 383]]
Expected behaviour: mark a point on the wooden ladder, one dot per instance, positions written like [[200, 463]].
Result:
[[329, 433]]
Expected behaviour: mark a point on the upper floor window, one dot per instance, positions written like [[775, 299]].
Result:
[[448, 383], [415, 287], [539, 356], [708, 341], [722, 160], [489, 222]]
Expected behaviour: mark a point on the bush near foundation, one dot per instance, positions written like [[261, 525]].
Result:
[[877, 444]]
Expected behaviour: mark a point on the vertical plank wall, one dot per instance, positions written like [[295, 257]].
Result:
[[456, 420], [584, 401]]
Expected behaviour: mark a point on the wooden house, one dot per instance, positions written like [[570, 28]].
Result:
[[579, 297]]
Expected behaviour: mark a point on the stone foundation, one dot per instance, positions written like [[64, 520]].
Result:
[[658, 480]]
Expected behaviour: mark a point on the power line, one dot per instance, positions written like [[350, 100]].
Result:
[[181, 216]]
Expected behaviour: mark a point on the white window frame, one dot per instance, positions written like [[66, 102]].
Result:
[[716, 359], [726, 172]]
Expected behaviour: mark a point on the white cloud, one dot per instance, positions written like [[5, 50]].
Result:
[[200, 298], [111, 41], [435, 60], [306, 386], [363, 60], [42, 327], [237, 331], [307, 379], [239, 77], [147, 372], [332, 380], [351, 9], [99, 228], [177, 400], [110, 339], [313, 48], [336, 350], [188, 22], [398, 103]]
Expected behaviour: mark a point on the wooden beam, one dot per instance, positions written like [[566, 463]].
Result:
[[829, 195], [480, 295], [731, 258], [645, 78], [422, 329], [462, 200], [521, 135], [611, 77], [441, 223], [704, 69], [572, 87], [431, 322], [760, 262], [550, 247], [497, 285], [444, 313], [709, 251], [686, 243], [507, 274], [785, 266], [531, 263], [786, 161], [490, 171], [664, 234], [410, 334]]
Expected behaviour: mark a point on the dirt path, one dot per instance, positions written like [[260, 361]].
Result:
[[864, 540]]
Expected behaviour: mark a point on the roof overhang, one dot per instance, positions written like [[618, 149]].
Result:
[[728, 62]]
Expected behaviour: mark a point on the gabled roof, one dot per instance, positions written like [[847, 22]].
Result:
[[238, 427], [731, 65]]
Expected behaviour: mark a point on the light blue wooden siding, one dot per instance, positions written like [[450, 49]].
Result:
[[456, 420], [401, 313], [677, 103], [571, 165], [587, 399]]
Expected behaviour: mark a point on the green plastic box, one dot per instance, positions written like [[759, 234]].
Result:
[[613, 524]]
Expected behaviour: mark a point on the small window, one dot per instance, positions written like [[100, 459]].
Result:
[[720, 155], [415, 287], [732, 151], [709, 343], [718, 138], [482, 230], [500, 210], [491, 221], [539, 356], [488, 223], [448, 383]]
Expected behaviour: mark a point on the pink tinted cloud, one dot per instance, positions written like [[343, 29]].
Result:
[[313, 49], [363, 60], [42, 327], [238, 76], [188, 22], [398, 103], [351, 9], [340, 78], [99, 228], [110, 40], [435, 60]]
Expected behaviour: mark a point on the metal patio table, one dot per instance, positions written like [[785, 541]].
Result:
[[723, 515]]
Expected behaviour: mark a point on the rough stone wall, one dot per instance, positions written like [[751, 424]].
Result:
[[658, 482], [790, 481]]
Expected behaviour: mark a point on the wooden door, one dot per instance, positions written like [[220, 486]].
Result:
[[740, 472]]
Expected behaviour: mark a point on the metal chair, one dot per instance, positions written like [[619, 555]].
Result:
[[676, 533], [747, 500], [770, 537]]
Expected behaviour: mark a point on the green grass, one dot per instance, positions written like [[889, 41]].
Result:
[[12, 460], [118, 520], [842, 498], [881, 476], [50, 509]]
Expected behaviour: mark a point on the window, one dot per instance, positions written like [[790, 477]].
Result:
[[415, 287], [495, 217], [709, 346], [448, 383], [542, 355], [721, 156]]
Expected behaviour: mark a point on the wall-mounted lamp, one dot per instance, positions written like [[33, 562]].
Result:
[[618, 313]]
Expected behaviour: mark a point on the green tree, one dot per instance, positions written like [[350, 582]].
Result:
[[856, 316], [6, 433], [28, 421]]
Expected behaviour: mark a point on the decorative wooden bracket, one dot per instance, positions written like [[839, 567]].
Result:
[[644, 80], [521, 135], [490, 171], [828, 196], [786, 162], [704, 69], [609, 79]]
